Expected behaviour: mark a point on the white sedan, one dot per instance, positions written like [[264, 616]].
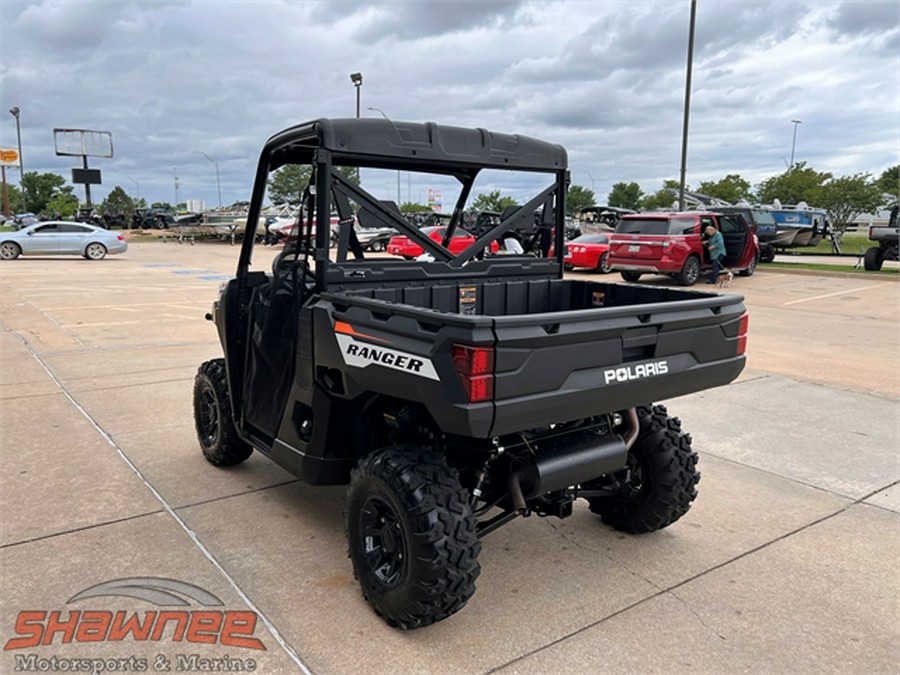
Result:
[[60, 237]]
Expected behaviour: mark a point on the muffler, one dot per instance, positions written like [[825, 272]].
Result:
[[567, 460]]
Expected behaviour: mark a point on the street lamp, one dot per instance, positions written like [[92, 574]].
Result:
[[794, 141], [15, 113], [687, 104], [218, 183], [398, 171], [136, 184], [356, 79]]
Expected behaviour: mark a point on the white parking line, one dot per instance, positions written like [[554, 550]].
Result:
[[170, 511], [831, 295]]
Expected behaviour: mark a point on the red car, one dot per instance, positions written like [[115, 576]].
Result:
[[672, 244], [403, 246], [589, 250]]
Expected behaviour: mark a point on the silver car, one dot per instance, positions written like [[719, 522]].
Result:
[[59, 237]]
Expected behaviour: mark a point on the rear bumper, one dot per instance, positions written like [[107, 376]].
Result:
[[647, 268]]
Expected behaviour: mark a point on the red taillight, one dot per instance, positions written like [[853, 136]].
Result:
[[120, 237], [743, 326], [475, 367]]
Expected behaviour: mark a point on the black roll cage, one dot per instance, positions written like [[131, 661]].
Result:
[[462, 153]]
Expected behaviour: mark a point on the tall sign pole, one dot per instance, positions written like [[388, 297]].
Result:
[[8, 157], [5, 192]]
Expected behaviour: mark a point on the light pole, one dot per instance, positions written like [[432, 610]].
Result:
[[137, 185], [398, 171], [687, 104], [218, 183], [356, 79], [794, 141], [14, 111]]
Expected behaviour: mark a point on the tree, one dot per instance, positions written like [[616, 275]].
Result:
[[846, 197], [664, 198], [40, 188], [16, 199], [625, 196], [492, 201], [889, 181], [287, 184], [731, 189], [412, 207], [63, 203], [577, 198], [118, 202], [799, 184]]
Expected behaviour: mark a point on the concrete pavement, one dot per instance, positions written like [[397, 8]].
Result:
[[787, 563]]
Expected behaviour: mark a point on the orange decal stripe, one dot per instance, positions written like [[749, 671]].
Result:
[[347, 329]]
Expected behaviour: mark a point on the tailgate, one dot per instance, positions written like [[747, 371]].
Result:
[[563, 366], [638, 247]]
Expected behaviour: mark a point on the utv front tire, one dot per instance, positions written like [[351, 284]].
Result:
[[212, 417], [411, 536], [660, 480]]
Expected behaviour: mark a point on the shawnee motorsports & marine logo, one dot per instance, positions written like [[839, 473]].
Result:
[[177, 623]]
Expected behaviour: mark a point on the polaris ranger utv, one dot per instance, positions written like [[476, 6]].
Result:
[[454, 392]]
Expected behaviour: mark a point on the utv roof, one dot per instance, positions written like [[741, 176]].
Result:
[[390, 143]]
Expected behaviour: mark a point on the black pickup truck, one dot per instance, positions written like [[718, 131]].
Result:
[[458, 391]]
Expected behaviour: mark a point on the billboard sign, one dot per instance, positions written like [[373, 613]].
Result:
[[86, 176], [9, 157], [82, 143]]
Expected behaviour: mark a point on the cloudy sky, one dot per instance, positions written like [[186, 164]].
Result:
[[171, 79]]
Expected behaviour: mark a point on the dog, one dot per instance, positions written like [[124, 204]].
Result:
[[725, 277]]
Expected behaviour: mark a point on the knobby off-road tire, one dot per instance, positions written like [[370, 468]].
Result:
[[411, 536], [212, 417], [660, 480]]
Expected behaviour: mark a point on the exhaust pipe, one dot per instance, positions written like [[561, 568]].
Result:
[[571, 459]]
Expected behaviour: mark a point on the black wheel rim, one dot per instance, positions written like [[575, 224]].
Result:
[[209, 417], [383, 543]]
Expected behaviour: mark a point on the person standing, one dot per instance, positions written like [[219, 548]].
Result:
[[716, 246]]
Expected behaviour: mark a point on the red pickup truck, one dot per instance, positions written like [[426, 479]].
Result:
[[673, 244]]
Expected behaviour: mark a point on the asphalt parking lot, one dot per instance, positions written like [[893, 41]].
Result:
[[788, 562]]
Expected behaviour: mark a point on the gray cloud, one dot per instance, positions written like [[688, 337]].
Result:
[[606, 80]]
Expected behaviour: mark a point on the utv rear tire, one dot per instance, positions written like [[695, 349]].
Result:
[[660, 481], [212, 417], [411, 536]]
